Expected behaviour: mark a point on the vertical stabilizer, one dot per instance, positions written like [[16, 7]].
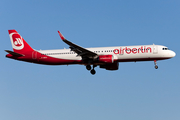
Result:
[[18, 43]]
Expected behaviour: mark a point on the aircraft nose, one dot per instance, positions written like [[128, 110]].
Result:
[[173, 54]]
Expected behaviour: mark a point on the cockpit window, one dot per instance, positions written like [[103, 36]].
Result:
[[165, 48]]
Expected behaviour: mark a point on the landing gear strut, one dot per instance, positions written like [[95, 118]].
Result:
[[156, 67]]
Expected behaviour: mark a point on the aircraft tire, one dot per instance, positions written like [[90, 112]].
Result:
[[156, 67], [88, 67], [93, 72]]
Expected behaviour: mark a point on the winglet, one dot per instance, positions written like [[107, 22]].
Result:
[[61, 36]]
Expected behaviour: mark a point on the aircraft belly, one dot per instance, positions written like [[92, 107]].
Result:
[[137, 57], [67, 57]]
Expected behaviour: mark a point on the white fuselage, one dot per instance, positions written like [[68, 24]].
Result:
[[120, 53]]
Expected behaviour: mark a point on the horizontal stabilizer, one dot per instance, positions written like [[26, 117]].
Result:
[[14, 53]]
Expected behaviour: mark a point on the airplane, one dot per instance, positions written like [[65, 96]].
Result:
[[105, 57]]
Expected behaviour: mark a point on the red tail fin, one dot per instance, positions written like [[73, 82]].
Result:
[[18, 43]]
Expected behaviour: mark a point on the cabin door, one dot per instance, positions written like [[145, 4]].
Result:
[[155, 49]]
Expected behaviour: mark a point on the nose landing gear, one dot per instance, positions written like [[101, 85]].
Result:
[[156, 67]]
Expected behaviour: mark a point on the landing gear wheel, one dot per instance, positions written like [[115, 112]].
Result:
[[88, 67], [93, 72], [156, 67]]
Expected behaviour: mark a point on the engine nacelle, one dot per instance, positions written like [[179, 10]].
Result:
[[106, 58], [112, 66]]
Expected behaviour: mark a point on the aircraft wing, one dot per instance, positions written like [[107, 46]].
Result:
[[78, 49]]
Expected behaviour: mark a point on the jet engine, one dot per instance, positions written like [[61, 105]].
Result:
[[112, 66], [106, 58]]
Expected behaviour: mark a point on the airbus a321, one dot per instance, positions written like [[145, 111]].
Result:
[[104, 57]]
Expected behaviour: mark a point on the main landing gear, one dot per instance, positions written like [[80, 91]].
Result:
[[88, 67], [155, 63]]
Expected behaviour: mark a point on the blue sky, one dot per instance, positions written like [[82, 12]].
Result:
[[136, 91]]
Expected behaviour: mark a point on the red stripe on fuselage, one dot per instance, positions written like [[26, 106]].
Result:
[[43, 59], [141, 59]]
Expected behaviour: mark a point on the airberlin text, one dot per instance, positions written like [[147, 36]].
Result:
[[127, 50]]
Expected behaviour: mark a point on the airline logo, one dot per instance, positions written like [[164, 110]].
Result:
[[142, 49], [17, 41]]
